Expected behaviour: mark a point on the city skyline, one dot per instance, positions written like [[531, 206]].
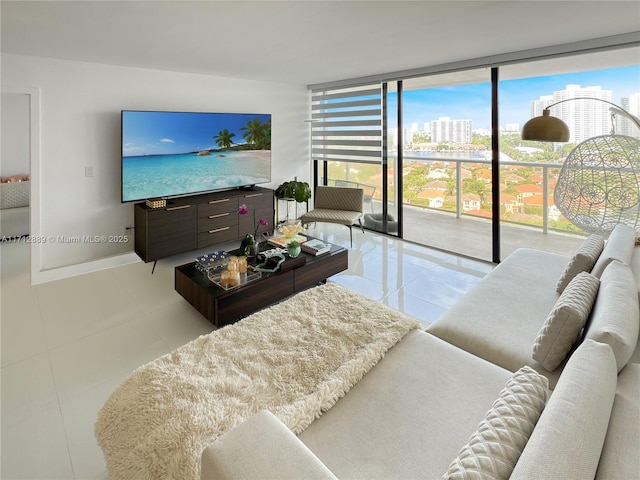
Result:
[[473, 101]]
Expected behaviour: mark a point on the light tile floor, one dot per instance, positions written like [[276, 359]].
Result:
[[66, 345]]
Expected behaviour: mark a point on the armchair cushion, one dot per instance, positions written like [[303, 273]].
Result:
[[344, 217], [342, 205], [339, 198]]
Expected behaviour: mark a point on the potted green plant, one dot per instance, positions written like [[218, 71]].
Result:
[[293, 248], [300, 191]]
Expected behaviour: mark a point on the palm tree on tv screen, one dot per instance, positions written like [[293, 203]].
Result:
[[224, 138], [258, 134]]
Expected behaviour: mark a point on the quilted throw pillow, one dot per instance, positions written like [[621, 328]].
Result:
[[582, 261], [562, 327], [494, 449]]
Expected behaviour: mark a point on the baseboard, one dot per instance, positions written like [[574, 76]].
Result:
[[50, 275]]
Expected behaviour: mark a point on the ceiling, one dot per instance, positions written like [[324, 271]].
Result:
[[301, 42]]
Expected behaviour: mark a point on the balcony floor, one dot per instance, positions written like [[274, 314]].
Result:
[[472, 236]]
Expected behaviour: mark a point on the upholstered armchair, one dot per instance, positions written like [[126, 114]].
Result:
[[368, 191], [342, 205]]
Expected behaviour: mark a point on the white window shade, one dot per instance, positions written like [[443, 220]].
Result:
[[347, 124]]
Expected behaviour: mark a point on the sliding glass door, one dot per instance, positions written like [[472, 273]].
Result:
[[446, 161], [440, 156]]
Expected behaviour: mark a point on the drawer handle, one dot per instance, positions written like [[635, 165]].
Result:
[[219, 201], [179, 207], [253, 195], [219, 230], [219, 215]]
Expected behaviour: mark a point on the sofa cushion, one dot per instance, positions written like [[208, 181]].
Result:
[[635, 266], [615, 316], [582, 261], [408, 416], [623, 434], [562, 327], [500, 317], [261, 447], [619, 247], [568, 439], [494, 448]]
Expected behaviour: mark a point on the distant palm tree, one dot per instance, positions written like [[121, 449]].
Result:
[[224, 138], [258, 134]]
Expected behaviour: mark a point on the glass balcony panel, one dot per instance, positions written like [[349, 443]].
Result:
[[446, 167]]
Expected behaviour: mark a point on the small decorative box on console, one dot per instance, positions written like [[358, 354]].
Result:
[[156, 203]]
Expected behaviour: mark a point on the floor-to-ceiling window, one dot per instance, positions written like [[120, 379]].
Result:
[[446, 161], [529, 178], [450, 169]]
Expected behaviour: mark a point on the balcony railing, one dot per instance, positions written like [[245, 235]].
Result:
[[458, 177], [458, 166]]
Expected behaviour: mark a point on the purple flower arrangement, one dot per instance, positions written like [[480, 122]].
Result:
[[243, 210]]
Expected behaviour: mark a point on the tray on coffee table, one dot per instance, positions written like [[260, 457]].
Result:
[[245, 278]]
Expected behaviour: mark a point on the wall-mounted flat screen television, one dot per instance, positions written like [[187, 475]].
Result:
[[169, 154]]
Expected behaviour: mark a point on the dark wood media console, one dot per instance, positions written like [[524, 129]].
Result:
[[223, 307], [198, 221]]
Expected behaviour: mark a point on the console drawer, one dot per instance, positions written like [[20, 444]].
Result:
[[260, 206], [218, 220], [217, 235], [256, 198], [220, 205]]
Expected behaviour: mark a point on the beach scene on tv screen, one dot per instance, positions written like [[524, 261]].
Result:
[[167, 154]]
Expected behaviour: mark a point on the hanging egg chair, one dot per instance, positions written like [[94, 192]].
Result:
[[598, 186]]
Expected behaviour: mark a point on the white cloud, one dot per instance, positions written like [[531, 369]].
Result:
[[167, 140]]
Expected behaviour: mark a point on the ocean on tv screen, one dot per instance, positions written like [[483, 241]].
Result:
[[151, 176]]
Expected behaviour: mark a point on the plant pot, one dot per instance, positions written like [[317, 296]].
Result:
[[254, 249], [246, 243], [293, 250], [300, 191]]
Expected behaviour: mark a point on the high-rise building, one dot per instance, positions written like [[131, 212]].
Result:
[[631, 104], [585, 118], [455, 131]]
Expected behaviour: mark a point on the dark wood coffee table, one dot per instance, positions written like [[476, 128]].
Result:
[[222, 307]]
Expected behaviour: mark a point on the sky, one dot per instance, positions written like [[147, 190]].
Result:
[[473, 102], [164, 133]]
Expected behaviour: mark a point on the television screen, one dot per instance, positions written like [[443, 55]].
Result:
[[168, 154]]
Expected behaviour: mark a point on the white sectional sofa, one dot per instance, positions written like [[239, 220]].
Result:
[[462, 400]]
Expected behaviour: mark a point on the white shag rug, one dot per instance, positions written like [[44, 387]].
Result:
[[295, 359]]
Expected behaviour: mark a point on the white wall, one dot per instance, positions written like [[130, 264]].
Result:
[[80, 106]]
